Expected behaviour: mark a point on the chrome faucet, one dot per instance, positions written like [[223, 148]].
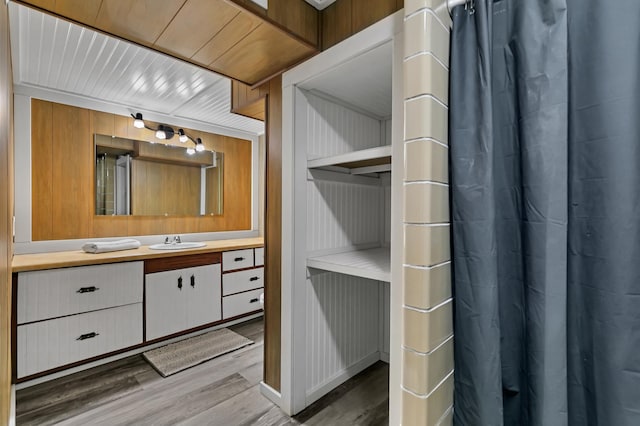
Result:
[[176, 239]]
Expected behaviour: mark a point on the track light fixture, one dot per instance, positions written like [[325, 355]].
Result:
[[167, 132]]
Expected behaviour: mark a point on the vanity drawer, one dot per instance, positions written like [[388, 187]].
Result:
[[259, 256], [66, 291], [49, 344], [236, 282], [237, 259], [241, 303]]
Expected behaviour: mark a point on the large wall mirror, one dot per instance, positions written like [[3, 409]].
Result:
[[141, 178]]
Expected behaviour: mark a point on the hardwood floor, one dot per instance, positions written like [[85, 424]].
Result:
[[224, 391]]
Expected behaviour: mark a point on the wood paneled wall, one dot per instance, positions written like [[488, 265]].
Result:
[[6, 213], [63, 178], [346, 17], [273, 236], [249, 102]]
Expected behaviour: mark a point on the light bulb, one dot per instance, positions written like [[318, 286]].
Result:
[[191, 151], [183, 136], [137, 122], [199, 145], [160, 134]]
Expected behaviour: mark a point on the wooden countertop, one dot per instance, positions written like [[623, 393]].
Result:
[[63, 259]]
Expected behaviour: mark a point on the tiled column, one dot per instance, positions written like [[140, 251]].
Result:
[[427, 373]]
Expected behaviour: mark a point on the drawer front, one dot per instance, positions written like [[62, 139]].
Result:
[[58, 292], [259, 256], [50, 344], [241, 303], [236, 282], [237, 259]]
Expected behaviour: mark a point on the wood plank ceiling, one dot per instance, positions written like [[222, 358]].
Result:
[[214, 34]]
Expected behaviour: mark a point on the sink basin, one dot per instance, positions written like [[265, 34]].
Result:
[[177, 246]]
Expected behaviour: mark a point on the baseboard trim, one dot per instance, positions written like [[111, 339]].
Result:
[[384, 357], [342, 376], [271, 394]]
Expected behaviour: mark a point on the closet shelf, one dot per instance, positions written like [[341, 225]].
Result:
[[374, 264], [371, 160]]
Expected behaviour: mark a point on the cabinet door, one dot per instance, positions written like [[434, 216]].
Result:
[[204, 293], [166, 304], [182, 299]]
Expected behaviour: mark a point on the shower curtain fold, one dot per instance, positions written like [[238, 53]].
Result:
[[545, 204]]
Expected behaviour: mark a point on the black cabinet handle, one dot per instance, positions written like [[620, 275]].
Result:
[[253, 300], [254, 278], [238, 259], [193, 281], [88, 336], [87, 289], [180, 283]]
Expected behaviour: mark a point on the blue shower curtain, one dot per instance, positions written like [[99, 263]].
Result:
[[545, 203]]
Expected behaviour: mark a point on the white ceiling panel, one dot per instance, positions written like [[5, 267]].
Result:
[[55, 54]]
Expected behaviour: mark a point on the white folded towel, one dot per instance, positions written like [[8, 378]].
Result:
[[106, 246]]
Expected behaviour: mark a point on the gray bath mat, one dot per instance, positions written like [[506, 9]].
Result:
[[175, 357]]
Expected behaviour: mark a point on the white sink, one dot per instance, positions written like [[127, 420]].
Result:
[[177, 246]]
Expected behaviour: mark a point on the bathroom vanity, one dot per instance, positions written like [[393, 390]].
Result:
[[72, 307]]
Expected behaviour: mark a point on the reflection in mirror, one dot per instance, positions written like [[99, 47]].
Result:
[[153, 179]]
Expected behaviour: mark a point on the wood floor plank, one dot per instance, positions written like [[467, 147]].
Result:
[[275, 417], [223, 391], [53, 414], [253, 330], [253, 373], [379, 368], [377, 416], [67, 386], [242, 409], [356, 405], [167, 390], [169, 409]]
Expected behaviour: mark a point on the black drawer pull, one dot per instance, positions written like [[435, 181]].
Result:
[[238, 259], [88, 289], [88, 336], [254, 278], [193, 281], [253, 300], [180, 283]]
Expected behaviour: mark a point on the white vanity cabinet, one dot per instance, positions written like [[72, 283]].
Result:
[[68, 315], [182, 298]]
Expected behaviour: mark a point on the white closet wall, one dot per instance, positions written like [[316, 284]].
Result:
[[339, 144], [347, 317], [333, 129], [341, 215], [342, 327]]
